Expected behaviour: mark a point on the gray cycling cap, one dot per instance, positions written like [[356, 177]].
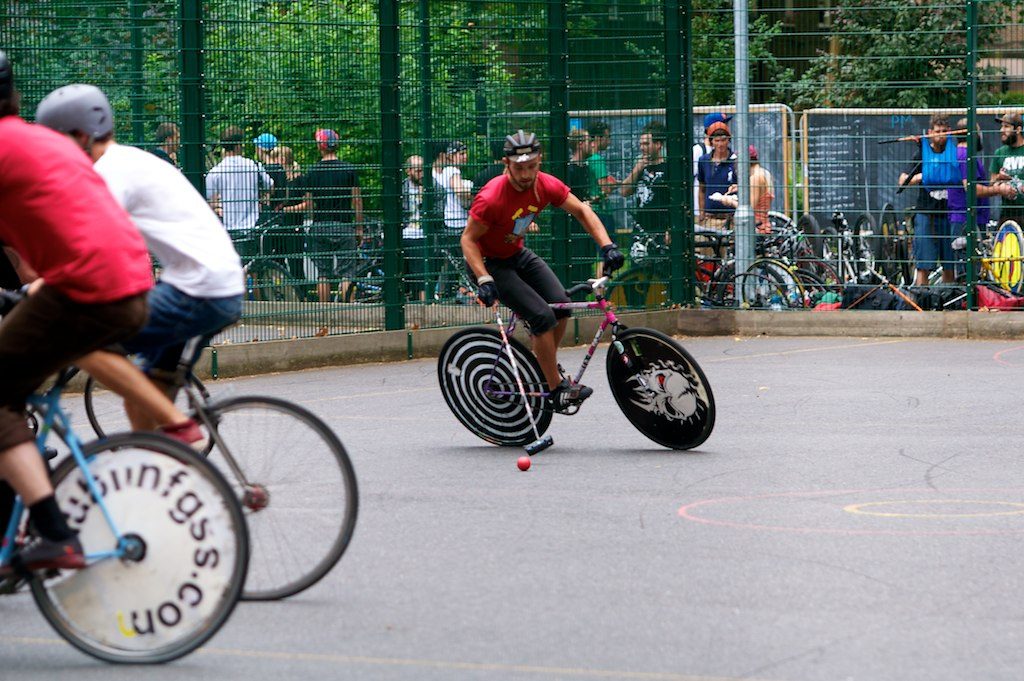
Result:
[[78, 107]]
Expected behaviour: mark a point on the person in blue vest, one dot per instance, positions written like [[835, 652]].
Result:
[[936, 170]]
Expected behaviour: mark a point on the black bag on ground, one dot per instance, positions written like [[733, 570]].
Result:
[[936, 298], [862, 297]]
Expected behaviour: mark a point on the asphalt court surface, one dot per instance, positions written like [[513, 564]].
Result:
[[857, 513]]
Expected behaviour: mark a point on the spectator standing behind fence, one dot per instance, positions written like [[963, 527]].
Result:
[[1007, 168], [582, 182], [704, 147], [333, 195], [957, 202], [762, 192], [266, 155], [169, 139], [648, 180], [414, 242], [234, 187], [291, 241], [934, 167], [600, 139], [716, 175], [457, 192]]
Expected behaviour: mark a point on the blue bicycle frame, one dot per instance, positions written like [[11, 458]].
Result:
[[55, 419]]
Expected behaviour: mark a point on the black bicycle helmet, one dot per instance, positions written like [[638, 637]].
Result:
[[6, 76], [77, 108], [521, 146]]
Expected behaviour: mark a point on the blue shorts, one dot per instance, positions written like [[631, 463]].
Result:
[[933, 241], [176, 318]]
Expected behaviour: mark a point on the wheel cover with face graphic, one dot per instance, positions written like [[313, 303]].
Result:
[[479, 386], [661, 390]]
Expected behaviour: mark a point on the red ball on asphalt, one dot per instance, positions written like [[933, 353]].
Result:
[[523, 463]]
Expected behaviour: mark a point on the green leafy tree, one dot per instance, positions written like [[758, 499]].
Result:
[[895, 53]]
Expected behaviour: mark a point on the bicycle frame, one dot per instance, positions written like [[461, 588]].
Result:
[[609, 320], [56, 420]]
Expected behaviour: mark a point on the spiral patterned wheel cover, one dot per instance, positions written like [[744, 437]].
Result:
[[479, 386]]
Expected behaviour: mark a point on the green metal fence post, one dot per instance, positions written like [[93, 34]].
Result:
[[429, 225], [391, 163], [679, 140], [137, 77], [556, 152], [192, 82], [972, 185]]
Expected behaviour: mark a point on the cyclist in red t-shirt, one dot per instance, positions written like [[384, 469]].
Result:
[[492, 243], [93, 275]]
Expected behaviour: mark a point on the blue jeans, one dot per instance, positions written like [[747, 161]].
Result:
[[174, 319], [933, 241]]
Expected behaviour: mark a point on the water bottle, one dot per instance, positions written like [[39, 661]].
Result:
[[775, 302]]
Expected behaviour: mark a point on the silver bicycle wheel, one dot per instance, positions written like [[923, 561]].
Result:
[[173, 594], [297, 488]]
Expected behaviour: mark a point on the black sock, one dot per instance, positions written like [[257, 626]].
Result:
[[48, 520]]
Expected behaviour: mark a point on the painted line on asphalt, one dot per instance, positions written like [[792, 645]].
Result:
[[998, 357], [580, 672], [695, 511], [823, 348], [868, 508]]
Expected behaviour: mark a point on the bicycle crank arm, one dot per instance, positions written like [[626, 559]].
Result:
[[540, 445]]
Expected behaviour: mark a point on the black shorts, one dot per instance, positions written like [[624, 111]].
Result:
[[526, 285], [333, 249]]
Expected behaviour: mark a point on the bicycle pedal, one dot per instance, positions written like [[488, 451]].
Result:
[[12, 584], [49, 453]]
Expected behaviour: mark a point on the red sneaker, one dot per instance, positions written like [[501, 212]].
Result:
[[40, 553], [187, 432]]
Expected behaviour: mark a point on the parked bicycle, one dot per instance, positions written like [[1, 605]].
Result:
[[495, 388], [165, 542], [287, 467]]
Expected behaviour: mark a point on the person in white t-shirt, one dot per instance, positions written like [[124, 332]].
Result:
[[235, 186], [458, 193], [201, 282]]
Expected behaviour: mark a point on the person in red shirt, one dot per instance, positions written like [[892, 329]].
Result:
[[93, 275], [492, 244]]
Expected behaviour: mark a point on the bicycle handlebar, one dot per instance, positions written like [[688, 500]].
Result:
[[588, 286]]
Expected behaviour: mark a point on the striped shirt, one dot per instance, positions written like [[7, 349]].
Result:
[[238, 182]]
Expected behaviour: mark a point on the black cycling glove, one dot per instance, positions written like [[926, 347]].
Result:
[[486, 291], [613, 258]]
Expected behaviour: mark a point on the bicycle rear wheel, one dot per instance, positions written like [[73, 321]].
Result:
[[480, 388], [185, 582], [660, 388], [297, 488], [270, 281]]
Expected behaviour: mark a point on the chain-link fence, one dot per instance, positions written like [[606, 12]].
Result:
[[342, 142]]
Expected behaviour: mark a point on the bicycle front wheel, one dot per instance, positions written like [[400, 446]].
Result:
[[660, 388], [297, 488], [176, 590], [480, 387]]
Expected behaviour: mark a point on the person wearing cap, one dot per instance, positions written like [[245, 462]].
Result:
[[702, 147], [762, 192], [266, 155], [334, 199], [201, 281], [447, 175], [234, 188], [648, 180], [504, 269], [935, 169], [169, 140], [1007, 168], [93, 274], [716, 174]]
